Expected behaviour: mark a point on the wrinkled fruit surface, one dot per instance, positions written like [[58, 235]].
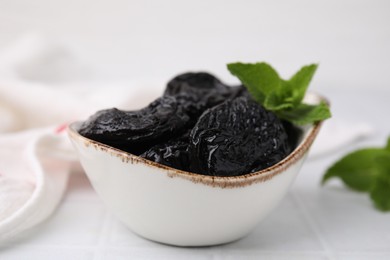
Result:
[[237, 137], [198, 91], [173, 153], [137, 131], [199, 125]]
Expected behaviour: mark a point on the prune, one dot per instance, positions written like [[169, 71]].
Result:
[[137, 131], [199, 125], [239, 91], [198, 83], [293, 133], [236, 137], [197, 91], [173, 153]]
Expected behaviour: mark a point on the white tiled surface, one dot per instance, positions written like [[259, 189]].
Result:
[[312, 222]]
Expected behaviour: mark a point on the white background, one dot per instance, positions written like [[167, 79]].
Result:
[[158, 39]]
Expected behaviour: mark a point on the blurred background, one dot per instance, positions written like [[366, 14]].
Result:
[[134, 39]]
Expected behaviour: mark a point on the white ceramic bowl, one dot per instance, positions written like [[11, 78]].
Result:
[[181, 208]]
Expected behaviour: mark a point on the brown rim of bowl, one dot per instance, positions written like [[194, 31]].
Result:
[[214, 181]]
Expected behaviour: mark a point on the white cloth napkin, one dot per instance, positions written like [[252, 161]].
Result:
[[41, 89], [33, 177]]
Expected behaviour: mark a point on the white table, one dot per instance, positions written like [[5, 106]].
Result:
[[312, 222]]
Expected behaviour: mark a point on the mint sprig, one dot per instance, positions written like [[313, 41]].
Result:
[[366, 170], [283, 97]]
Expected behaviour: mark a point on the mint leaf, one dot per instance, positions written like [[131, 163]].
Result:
[[300, 82], [380, 192], [358, 170], [260, 78], [276, 102], [305, 114], [284, 97], [381, 195], [366, 170]]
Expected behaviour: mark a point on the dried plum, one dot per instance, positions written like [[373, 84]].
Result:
[[239, 91], [137, 131], [198, 83], [199, 125], [236, 137], [197, 92], [293, 133], [173, 153]]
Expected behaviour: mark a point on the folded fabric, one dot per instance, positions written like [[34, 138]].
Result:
[[40, 90], [34, 169]]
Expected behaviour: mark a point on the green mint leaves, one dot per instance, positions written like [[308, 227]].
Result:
[[283, 97], [366, 170]]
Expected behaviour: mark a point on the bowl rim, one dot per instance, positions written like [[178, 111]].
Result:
[[264, 175]]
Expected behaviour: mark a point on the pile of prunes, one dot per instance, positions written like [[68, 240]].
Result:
[[199, 125]]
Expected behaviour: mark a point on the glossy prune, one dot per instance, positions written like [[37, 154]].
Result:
[[137, 131], [198, 83], [197, 91], [293, 133], [236, 137], [173, 153], [239, 91]]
